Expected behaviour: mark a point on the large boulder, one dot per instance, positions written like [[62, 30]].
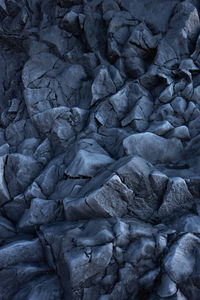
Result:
[[153, 147]]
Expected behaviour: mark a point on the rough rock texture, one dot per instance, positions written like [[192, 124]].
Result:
[[99, 150]]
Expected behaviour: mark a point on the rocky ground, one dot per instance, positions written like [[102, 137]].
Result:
[[99, 150]]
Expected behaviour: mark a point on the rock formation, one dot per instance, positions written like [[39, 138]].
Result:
[[99, 150]]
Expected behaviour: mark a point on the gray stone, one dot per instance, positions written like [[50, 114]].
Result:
[[99, 109], [4, 194], [121, 230], [40, 212], [165, 111], [54, 36], [61, 122], [192, 224], [15, 133], [117, 77], [6, 228], [14, 106], [135, 174], [179, 105], [21, 251], [81, 270], [167, 287], [112, 199], [140, 114], [135, 66], [158, 16], [20, 170], [70, 22], [139, 229], [140, 250], [48, 179], [43, 152], [15, 208], [189, 114], [177, 197], [90, 293], [119, 101], [152, 147], [167, 94], [179, 263], [196, 93], [181, 133], [188, 64], [103, 85], [160, 127], [87, 163], [185, 16], [121, 35], [106, 115], [158, 182], [119, 291], [37, 66], [33, 191], [17, 276], [194, 127], [148, 279], [44, 288]]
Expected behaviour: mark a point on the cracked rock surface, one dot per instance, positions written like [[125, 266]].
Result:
[[99, 150]]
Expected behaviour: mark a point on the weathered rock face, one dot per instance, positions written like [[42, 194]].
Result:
[[99, 150]]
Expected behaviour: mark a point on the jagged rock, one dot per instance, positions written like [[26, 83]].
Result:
[[6, 228], [15, 208], [20, 170], [180, 261], [61, 122], [40, 212], [119, 101], [106, 115], [192, 224], [43, 152], [188, 64], [167, 94], [159, 13], [135, 174], [181, 133], [135, 66], [160, 127], [43, 288], [152, 147], [141, 249], [103, 85], [158, 182], [140, 114], [83, 267], [15, 133], [87, 163], [28, 146], [193, 126], [148, 279], [112, 199], [21, 251], [190, 111], [185, 16], [57, 38], [4, 193], [179, 105], [37, 66], [18, 276], [167, 287], [177, 197]]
